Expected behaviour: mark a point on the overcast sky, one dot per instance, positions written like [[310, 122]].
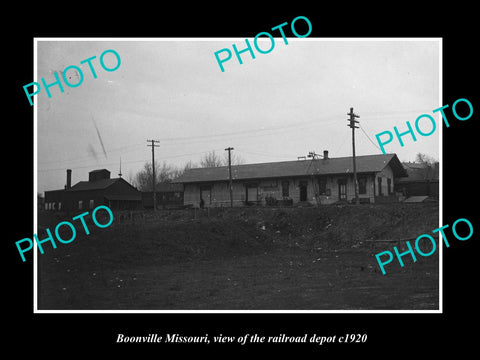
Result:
[[275, 107]]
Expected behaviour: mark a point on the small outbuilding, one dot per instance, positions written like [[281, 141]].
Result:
[[168, 196], [422, 180]]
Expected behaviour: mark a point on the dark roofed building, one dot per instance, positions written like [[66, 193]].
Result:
[[323, 181], [422, 180], [168, 195], [100, 189]]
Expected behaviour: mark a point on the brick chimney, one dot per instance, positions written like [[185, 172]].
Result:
[[69, 179], [325, 154]]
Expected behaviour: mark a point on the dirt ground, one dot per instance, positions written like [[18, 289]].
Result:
[[241, 259]]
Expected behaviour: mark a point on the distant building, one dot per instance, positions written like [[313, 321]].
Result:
[[100, 189], [321, 181], [422, 180], [168, 196]]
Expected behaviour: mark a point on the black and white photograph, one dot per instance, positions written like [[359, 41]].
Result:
[[226, 179], [271, 190]]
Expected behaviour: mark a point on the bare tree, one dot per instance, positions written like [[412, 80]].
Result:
[[429, 163], [211, 159], [189, 165], [235, 158], [163, 173], [131, 178], [424, 159]]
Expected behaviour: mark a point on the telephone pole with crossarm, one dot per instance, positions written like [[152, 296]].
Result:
[[353, 127], [153, 145]]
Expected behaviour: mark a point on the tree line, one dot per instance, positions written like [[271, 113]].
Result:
[[165, 173]]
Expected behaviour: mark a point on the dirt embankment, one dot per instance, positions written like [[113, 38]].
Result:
[[194, 234], [332, 226], [241, 258]]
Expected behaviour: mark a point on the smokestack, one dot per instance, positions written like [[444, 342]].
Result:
[[325, 154], [69, 179]]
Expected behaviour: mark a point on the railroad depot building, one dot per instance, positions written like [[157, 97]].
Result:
[[318, 181], [100, 189]]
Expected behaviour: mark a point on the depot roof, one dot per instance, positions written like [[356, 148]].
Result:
[[296, 168]]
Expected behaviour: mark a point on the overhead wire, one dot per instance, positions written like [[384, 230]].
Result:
[[89, 157], [368, 137], [265, 131], [131, 161], [264, 154]]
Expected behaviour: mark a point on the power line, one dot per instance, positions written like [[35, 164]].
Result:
[[90, 166], [266, 131], [125, 162], [396, 112], [194, 139], [368, 137], [122, 148], [337, 150], [276, 155], [128, 162], [190, 154], [204, 138], [256, 132]]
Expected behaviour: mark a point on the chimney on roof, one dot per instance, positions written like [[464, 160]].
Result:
[[69, 179], [325, 154]]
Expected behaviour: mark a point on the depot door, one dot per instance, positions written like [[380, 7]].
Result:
[[342, 189], [303, 190], [205, 194], [252, 193]]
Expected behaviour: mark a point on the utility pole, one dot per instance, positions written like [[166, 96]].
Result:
[[229, 149], [314, 156], [353, 127], [153, 145], [316, 189]]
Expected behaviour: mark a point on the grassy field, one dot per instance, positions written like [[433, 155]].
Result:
[[241, 259]]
